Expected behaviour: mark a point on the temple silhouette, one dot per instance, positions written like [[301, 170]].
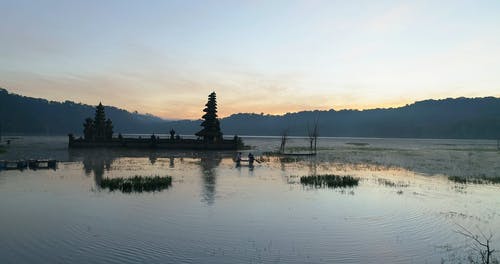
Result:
[[98, 133]]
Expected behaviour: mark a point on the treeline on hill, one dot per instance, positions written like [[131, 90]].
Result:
[[27, 115], [447, 118]]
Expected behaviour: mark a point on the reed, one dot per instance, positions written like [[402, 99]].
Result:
[[360, 144], [475, 180], [390, 183], [288, 159], [329, 180], [137, 184]]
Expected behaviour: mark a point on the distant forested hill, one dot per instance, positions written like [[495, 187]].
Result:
[[26, 115], [447, 118]]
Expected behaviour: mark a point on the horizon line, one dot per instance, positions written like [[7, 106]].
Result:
[[261, 113]]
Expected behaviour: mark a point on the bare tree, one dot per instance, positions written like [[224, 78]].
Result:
[[284, 138], [481, 244], [313, 137]]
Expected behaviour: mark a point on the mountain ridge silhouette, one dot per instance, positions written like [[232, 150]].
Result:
[[460, 118]]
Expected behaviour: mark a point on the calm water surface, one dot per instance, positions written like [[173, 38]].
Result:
[[217, 213]]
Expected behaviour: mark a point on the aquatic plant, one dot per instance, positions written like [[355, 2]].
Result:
[[457, 179], [270, 154], [329, 180], [390, 183], [288, 159], [475, 179], [137, 184], [357, 144]]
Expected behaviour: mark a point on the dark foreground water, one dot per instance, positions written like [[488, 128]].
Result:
[[405, 210]]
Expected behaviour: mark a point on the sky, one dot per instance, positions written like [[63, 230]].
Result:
[[273, 57]]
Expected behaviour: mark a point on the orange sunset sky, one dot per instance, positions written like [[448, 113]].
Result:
[[274, 57]]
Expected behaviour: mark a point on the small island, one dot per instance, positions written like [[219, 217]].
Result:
[[98, 133]]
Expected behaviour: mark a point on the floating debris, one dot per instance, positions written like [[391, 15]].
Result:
[[13, 164], [24, 164]]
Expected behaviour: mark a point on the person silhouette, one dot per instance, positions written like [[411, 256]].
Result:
[[238, 159], [251, 159]]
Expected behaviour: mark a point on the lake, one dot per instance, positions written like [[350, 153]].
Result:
[[404, 210]]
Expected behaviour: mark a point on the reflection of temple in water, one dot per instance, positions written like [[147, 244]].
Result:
[[153, 157], [93, 161], [98, 162], [97, 165], [208, 164]]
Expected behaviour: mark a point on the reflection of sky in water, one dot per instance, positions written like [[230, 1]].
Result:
[[444, 157], [217, 213]]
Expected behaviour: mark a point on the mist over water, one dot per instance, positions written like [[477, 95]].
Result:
[[404, 210]]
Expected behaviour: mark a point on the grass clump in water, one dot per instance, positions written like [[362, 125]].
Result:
[[288, 159], [359, 144], [137, 184], [475, 180], [390, 183], [329, 180]]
